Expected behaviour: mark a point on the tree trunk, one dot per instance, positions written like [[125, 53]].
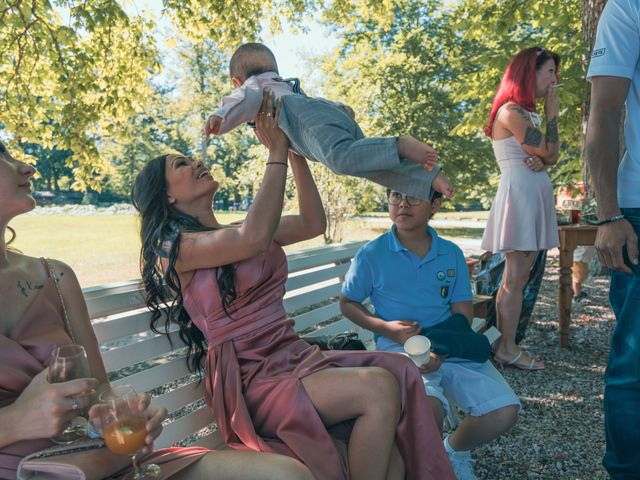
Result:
[[591, 11]]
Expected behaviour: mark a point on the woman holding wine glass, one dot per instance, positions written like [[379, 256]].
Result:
[[33, 409]]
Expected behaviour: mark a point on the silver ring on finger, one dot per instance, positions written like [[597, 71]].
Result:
[[74, 404], [269, 114]]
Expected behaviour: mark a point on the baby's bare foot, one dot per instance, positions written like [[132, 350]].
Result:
[[442, 184], [417, 151]]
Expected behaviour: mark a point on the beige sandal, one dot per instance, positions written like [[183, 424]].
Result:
[[532, 365]]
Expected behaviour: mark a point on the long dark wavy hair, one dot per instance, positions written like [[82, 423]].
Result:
[[160, 227]]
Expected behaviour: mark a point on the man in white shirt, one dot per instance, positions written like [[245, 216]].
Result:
[[614, 73]]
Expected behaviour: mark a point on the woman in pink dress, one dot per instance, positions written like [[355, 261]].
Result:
[[32, 324], [271, 391], [522, 220]]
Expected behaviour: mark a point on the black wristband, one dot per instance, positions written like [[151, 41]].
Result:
[[278, 163], [615, 218]]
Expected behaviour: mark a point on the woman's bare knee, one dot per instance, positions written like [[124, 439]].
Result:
[[381, 392]]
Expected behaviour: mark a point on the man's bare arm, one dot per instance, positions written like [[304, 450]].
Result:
[[608, 95]]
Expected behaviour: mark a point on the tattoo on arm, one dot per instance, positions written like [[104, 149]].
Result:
[[552, 130], [27, 286], [532, 137]]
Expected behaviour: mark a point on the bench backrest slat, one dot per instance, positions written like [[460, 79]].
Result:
[[316, 276], [185, 426], [311, 318], [109, 304], [138, 352], [122, 326], [180, 397], [153, 377], [313, 297]]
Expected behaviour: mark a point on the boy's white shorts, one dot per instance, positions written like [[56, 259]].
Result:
[[477, 388]]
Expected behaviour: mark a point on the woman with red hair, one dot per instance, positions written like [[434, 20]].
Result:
[[522, 220]]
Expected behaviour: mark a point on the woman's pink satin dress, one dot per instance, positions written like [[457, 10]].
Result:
[[255, 363], [25, 352]]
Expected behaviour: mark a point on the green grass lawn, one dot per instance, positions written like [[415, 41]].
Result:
[[105, 249]]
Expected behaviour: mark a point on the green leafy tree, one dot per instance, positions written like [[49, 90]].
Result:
[[52, 171], [65, 84], [231, 23]]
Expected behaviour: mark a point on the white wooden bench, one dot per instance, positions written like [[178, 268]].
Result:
[[135, 355]]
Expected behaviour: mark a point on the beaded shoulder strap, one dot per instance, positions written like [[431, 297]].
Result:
[[56, 281]]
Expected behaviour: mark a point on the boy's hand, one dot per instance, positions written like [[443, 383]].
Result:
[[433, 364], [212, 127], [400, 330]]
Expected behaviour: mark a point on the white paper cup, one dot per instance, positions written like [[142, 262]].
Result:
[[418, 348]]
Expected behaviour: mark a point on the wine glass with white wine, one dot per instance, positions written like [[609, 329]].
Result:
[[69, 362]]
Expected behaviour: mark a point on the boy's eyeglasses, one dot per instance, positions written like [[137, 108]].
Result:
[[396, 198]]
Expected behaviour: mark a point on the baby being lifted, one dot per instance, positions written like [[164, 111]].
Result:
[[325, 131]]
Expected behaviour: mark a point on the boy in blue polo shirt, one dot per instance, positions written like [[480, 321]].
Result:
[[416, 279]]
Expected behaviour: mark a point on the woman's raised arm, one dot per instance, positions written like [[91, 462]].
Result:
[[229, 245], [311, 219]]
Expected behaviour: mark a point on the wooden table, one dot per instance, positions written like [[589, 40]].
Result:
[[571, 236]]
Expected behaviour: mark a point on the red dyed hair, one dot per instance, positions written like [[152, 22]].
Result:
[[518, 84]]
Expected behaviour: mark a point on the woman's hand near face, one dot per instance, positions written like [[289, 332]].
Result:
[[551, 103], [43, 409], [267, 129]]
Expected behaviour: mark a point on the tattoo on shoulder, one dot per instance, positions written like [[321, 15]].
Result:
[[523, 113], [532, 137], [26, 286], [552, 130]]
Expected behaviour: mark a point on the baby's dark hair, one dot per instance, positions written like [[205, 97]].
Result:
[[251, 59], [3, 149]]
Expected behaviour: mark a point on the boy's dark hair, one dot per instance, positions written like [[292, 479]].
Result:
[[3, 149], [248, 60]]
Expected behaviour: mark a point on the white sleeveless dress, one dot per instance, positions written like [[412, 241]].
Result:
[[523, 215]]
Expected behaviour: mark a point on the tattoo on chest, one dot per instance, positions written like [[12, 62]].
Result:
[[532, 137], [26, 286], [552, 130]]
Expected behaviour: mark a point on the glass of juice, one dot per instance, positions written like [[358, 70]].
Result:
[[123, 426]]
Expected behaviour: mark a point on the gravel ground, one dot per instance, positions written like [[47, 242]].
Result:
[[560, 433]]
